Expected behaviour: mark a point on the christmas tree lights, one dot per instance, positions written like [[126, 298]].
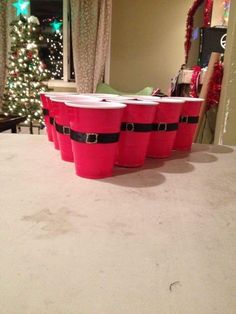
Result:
[[26, 72], [55, 45]]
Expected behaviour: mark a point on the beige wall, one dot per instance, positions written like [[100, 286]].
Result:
[[217, 14], [147, 46], [226, 118]]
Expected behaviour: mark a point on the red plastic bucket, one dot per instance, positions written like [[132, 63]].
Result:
[[135, 133], [46, 115], [164, 128], [62, 123], [188, 123], [95, 129]]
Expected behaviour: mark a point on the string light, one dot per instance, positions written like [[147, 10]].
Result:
[[55, 45]]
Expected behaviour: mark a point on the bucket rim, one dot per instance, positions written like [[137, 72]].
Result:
[[95, 105], [171, 100], [72, 98], [100, 95], [191, 99], [139, 102], [48, 94]]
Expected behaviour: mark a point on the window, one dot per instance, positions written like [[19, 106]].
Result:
[[56, 48]]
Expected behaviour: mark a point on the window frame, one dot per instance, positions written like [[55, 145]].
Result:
[[66, 82]]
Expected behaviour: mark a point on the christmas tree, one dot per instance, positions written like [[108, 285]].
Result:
[[55, 45], [26, 72]]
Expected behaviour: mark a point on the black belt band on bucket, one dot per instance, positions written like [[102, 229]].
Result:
[[52, 120], [136, 127], [45, 112], [189, 119], [94, 138], [165, 127], [62, 129]]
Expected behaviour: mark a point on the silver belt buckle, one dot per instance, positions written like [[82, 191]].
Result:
[[88, 137], [159, 127], [130, 127], [184, 119], [65, 130]]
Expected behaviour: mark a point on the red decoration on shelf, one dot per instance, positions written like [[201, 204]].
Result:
[[215, 84], [194, 84], [190, 22]]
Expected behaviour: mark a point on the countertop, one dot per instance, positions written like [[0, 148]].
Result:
[[155, 240]]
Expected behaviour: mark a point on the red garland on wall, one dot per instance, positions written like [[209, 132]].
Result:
[[213, 96], [190, 22], [208, 13]]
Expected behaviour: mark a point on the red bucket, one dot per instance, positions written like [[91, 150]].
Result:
[[46, 115], [188, 123], [62, 123], [164, 128], [95, 129], [135, 133]]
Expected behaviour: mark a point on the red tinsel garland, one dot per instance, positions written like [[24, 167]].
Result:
[[208, 13], [190, 22], [195, 81], [215, 84]]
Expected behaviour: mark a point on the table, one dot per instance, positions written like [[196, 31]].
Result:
[[160, 239], [10, 122]]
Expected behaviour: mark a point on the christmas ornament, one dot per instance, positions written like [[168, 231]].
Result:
[[15, 74], [15, 55], [31, 46], [33, 19], [30, 54]]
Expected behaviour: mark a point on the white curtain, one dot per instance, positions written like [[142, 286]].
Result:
[[6, 16], [91, 28]]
